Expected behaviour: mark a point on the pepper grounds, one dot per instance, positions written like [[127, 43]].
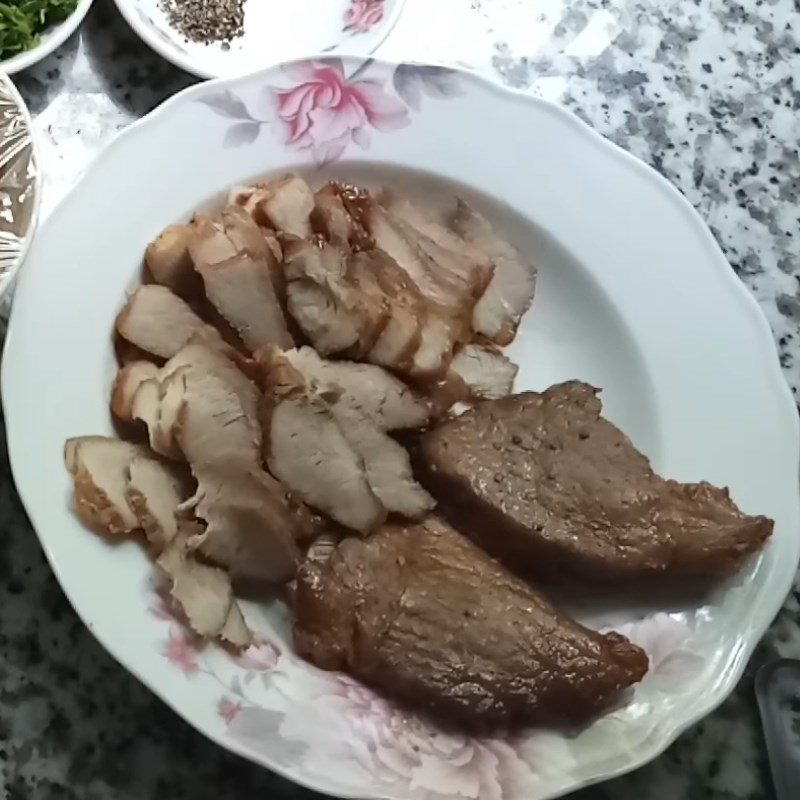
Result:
[[206, 21]]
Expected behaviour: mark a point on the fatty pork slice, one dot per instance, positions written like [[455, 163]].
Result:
[[384, 398], [419, 613], [99, 469], [305, 448], [242, 277], [157, 321], [253, 525], [510, 292], [168, 261], [485, 371], [339, 306], [154, 492], [205, 596]]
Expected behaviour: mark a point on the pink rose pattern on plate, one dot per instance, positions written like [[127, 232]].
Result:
[[362, 15], [322, 110], [328, 724]]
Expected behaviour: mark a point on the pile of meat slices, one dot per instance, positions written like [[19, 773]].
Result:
[[279, 360]]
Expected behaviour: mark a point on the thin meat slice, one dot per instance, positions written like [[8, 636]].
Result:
[[242, 277], [335, 300], [400, 339], [475, 263], [460, 264], [510, 292], [486, 371], [154, 493], [284, 204], [332, 220], [205, 596], [306, 449], [200, 407], [400, 241], [99, 469], [384, 398], [126, 384], [387, 464], [168, 261], [543, 482], [159, 322], [419, 613], [253, 525]]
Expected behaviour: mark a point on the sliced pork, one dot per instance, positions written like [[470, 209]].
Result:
[[305, 448], [159, 322], [242, 277], [384, 398], [510, 292]]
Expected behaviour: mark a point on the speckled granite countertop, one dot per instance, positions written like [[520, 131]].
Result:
[[703, 91]]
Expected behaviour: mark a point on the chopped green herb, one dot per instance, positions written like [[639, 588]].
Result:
[[23, 21]]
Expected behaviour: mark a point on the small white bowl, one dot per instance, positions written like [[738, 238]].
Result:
[[53, 38]]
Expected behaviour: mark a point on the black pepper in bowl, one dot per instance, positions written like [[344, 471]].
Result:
[[206, 21]]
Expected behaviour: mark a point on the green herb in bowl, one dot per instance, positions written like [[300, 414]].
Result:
[[23, 21]]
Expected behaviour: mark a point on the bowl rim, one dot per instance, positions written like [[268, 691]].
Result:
[[768, 609], [51, 41], [187, 64]]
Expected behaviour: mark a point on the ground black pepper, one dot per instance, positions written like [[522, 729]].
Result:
[[206, 21]]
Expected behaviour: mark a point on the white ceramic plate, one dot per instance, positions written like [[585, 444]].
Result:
[[275, 31], [634, 296], [51, 39], [20, 188]]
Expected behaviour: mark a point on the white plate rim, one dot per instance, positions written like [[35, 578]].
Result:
[[156, 43], [51, 41], [766, 611]]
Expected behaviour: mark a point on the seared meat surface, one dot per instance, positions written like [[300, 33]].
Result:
[[421, 614], [543, 482]]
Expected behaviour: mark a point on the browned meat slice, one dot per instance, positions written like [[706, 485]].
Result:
[[242, 277], [335, 300], [399, 342], [154, 493], [549, 486], [167, 258], [305, 448], [420, 613], [384, 398], [486, 372], [159, 322], [510, 292], [99, 468]]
